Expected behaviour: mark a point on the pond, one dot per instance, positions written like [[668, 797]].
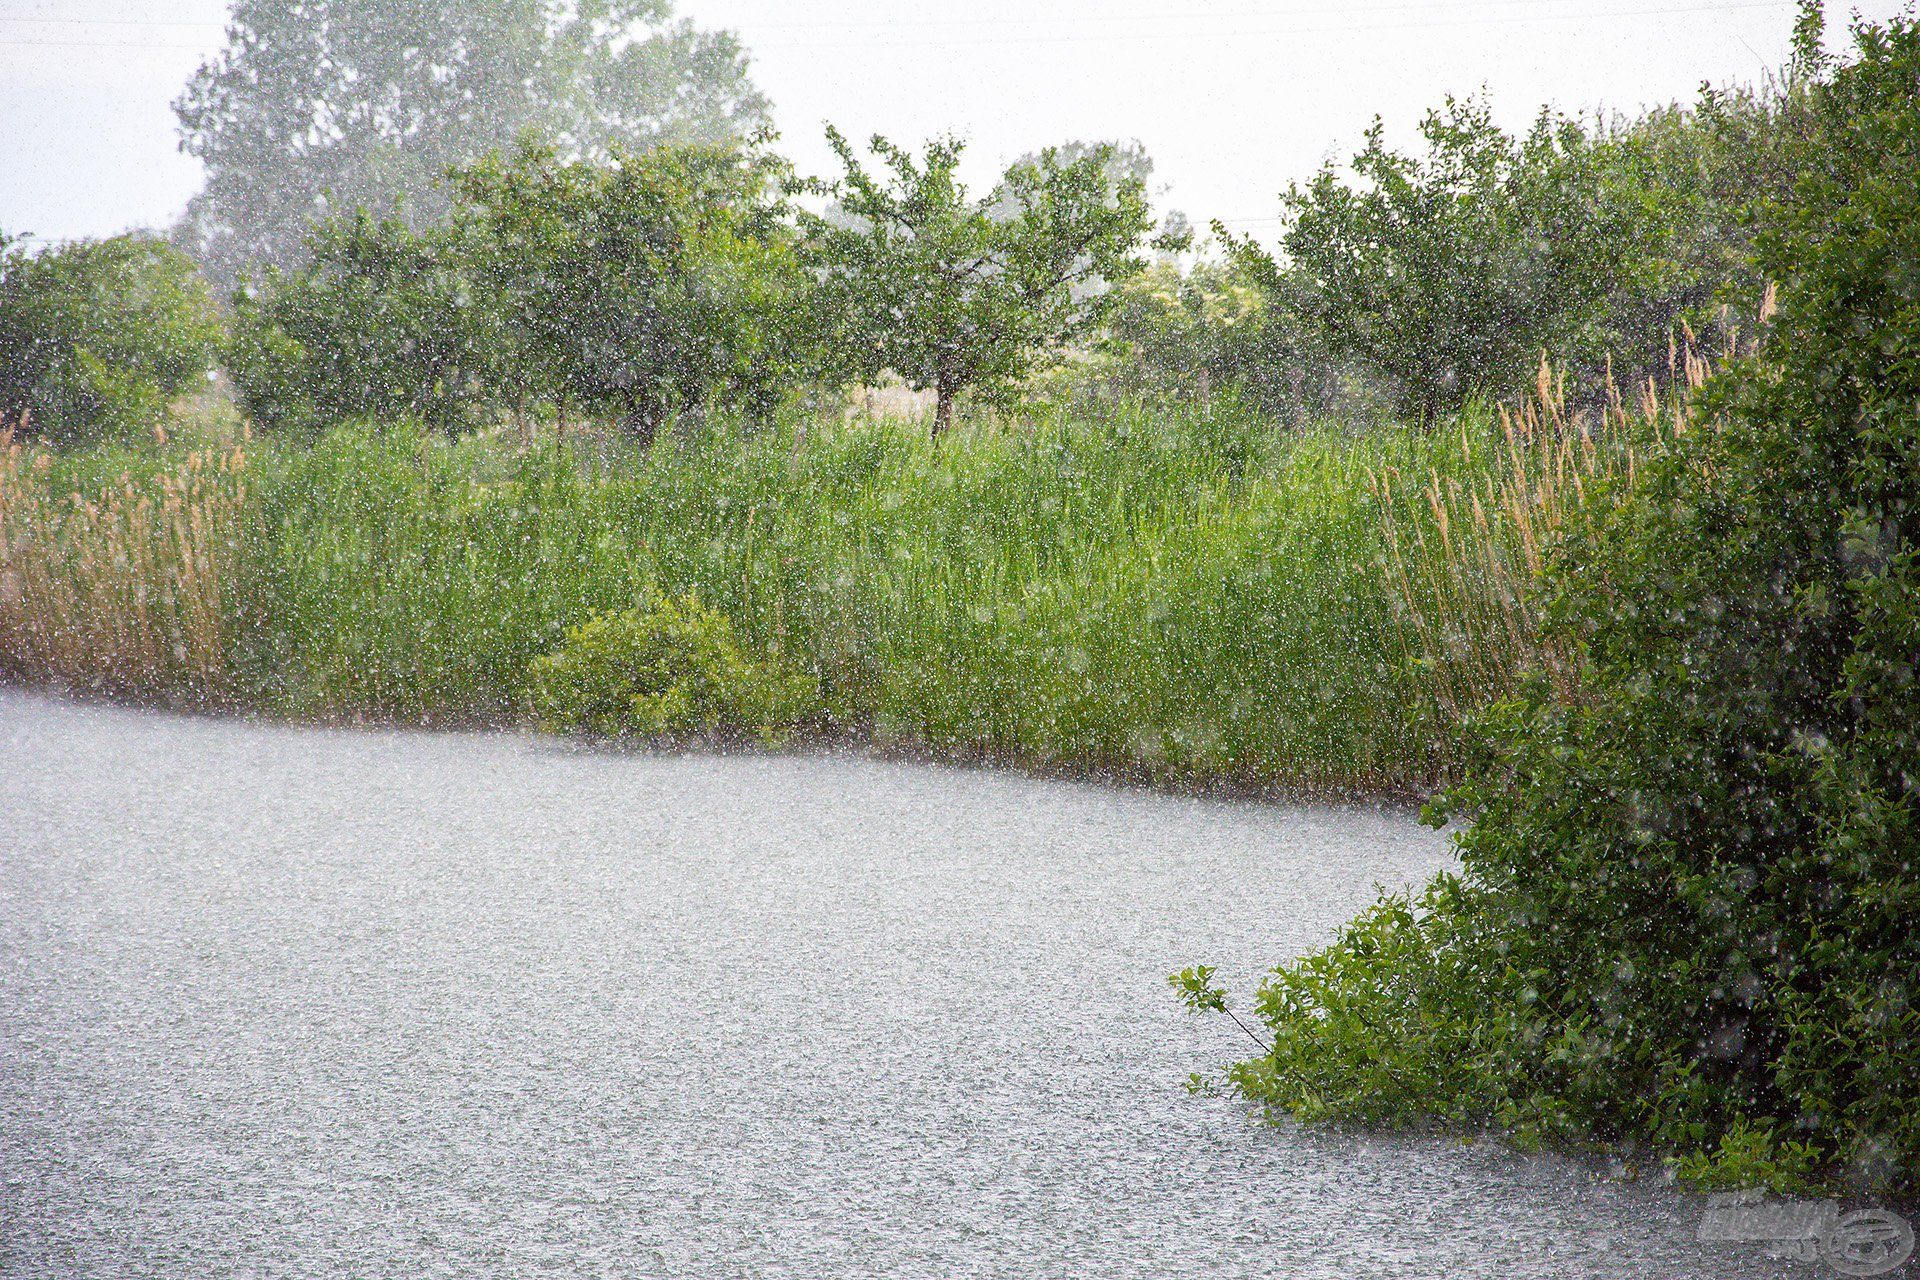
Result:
[[285, 1002]]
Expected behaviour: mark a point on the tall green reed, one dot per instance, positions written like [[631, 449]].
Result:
[[1182, 595]]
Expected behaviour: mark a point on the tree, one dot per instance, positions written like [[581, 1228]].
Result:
[[956, 294], [1215, 327], [1448, 274], [1121, 161], [1704, 171], [376, 324], [640, 287], [97, 334], [1688, 906], [320, 106]]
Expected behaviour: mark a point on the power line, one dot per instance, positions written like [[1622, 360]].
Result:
[[95, 44], [892, 24], [1094, 36], [115, 22], [1090, 37], [1163, 16]]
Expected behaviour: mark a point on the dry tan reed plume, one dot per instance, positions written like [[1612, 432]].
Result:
[[123, 592], [1465, 552]]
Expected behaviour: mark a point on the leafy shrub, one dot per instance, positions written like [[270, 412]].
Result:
[[673, 669], [95, 336], [1688, 913]]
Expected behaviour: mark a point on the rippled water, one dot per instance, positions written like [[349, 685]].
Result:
[[293, 1003]]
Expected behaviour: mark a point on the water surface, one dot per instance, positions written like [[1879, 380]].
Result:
[[299, 1003]]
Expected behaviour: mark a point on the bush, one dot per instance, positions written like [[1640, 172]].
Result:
[[97, 335], [1688, 914], [672, 670]]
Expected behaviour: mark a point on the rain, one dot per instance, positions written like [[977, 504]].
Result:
[[729, 639]]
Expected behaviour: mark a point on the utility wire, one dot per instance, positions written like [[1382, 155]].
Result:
[[1089, 36], [1174, 16], [894, 24], [114, 22]]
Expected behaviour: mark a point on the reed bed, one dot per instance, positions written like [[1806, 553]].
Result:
[[1466, 541], [124, 590], [1186, 596]]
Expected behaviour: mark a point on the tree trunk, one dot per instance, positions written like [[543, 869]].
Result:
[[942, 409], [642, 419]]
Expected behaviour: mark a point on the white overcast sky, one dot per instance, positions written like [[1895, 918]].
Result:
[[1233, 98]]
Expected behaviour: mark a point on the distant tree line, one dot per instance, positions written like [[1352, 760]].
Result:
[[682, 280], [318, 108], [1410, 283], [524, 219]]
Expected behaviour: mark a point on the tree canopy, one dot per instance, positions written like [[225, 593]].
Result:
[[319, 106], [956, 293], [97, 334], [644, 286], [1448, 273]]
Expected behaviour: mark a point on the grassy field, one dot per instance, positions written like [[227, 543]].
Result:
[[1188, 597]]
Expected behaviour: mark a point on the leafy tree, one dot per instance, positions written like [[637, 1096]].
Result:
[[1216, 328], [320, 106], [1126, 161], [641, 287], [377, 324], [1704, 173], [1448, 274], [97, 334], [1689, 899], [955, 293]]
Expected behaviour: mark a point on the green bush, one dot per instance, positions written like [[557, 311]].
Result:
[[97, 335], [1690, 895], [673, 669]]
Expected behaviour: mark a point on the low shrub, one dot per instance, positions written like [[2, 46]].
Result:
[[672, 669]]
